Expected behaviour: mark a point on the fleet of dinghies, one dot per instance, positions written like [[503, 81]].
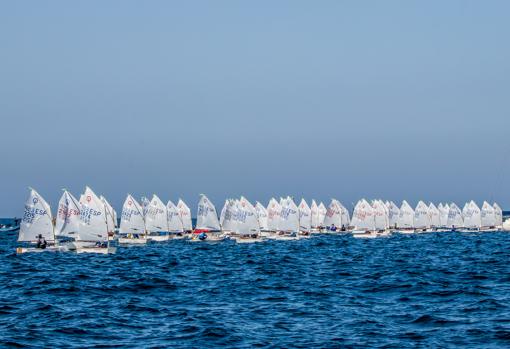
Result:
[[89, 225]]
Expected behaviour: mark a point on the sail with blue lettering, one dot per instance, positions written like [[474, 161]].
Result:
[[289, 216], [498, 214], [67, 221], [93, 225], [454, 217], [421, 216], [406, 216], [207, 217], [228, 217], [305, 216], [434, 214], [488, 218], [262, 216], [156, 216], [36, 220], [145, 205], [185, 214], [472, 216], [173, 218], [132, 220], [273, 215]]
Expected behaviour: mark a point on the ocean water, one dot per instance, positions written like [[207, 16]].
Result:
[[427, 290]]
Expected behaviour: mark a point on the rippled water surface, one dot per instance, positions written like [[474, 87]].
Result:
[[428, 290]]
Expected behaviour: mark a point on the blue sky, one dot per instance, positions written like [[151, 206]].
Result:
[[347, 99]]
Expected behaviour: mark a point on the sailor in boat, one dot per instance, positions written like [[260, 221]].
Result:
[[343, 227], [333, 227], [41, 242]]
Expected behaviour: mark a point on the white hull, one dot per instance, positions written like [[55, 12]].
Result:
[[98, 250], [158, 238], [246, 240], [210, 237], [404, 231], [132, 241], [371, 234], [21, 250]]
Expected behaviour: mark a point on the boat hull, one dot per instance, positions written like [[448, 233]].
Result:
[[130, 241]]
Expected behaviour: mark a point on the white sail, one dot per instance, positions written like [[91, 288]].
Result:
[[131, 218], [454, 217], [289, 216], [173, 218], [36, 220], [346, 217], [314, 212], [144, 202], [421, 216], [498, 214], [393, 214], [156, 216], [381, 221], [434, 214], [229, 212], [273, 215], [185, 214], [305, 216], [363, 216], [110, 217], [322, 214], [443, 214], [333, 214], [68, 216], [246, 217], [207, 217], [406, 216], [472, 216], [488, 217], [93, 226], [262, 216]]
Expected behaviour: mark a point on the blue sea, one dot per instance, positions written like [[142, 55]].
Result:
[[427, 290]]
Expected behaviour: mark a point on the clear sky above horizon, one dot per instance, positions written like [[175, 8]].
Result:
[[346, 99]]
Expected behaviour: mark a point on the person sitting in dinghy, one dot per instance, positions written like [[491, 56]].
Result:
[[332, 228], [41, 242]]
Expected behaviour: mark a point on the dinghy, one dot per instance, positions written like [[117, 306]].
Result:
[[434, 214], [262, 218], [322, 215], [363, 220], [93, 234], [132, 223], [405, 223], [393, 214], [498, 214], [67, 222], [421, 218], [454, 221], [185, 214], [37, 221], [111, 220], [305, 219], [335, 220], [273, 219], [208, 226], [288, 228], [156, 222], [487, 218], [175, 226], [443, 217], [247, 228], [471, 217], [315, 221]]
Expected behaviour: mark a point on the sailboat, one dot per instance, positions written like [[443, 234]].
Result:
[[393, 214], [314, 212], [363, 220], [305, 219], [335, 219], [208, 227], [93, 234], [37, 221], [156, 222], [247, 225], [487, 217], [185, 214], [132, 223], [67, 222], [454, 221], [262, 218], [421, 218], [472, 217], [498, 214], [443, 217], [288, 228], [273, 219], [111, 221], [434, 214], [175, 226], [405, 224], [322, 215]]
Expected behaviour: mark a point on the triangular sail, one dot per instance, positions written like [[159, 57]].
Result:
[[207, 217], [110, 216], [305, 216], [363, 216], [156, 216], [36, 219], [93, 225], [393, 214], [173, 218], [322, 214], [472, 216], [333, 214], [314, 212], [421, 216], [381, 221], [131, 218], [406, 216], [67, 221], [246, 217], [443, 214], [289, 216], [262, 216], [434, 215], [488, 217], [185, 214], [498, 214], [454, 217], [273, 215]]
